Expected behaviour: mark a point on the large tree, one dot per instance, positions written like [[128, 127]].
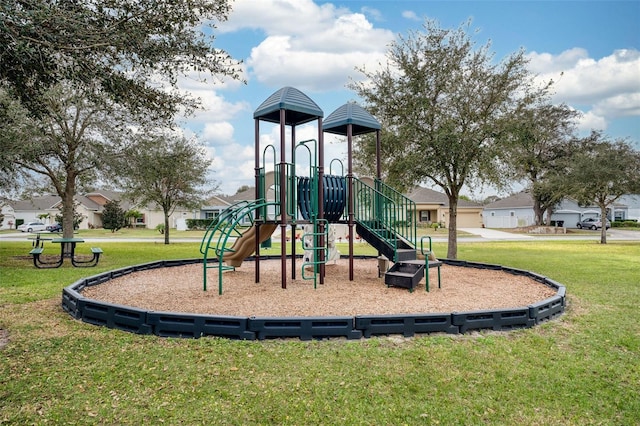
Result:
[[167, 170], [121, 48], [64, 148], [540, 141], [111, 59], [445, 105], [601, 171]]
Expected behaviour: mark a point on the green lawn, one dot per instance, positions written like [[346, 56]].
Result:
[[583, 368]]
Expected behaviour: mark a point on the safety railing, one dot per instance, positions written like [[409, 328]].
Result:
[[385, 213]]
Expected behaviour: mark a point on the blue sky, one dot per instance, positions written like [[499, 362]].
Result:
[[315, 46]]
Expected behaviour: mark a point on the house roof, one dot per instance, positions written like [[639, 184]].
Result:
[[421, 195], [520, 200], [217, 201], [248, 195], [46, 202], [51, 202]]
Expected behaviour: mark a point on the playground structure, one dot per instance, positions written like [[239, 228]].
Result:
[[379, 215], [376, 212]]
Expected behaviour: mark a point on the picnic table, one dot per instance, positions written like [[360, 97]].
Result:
[[67, 250]]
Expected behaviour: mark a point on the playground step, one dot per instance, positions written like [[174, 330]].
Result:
[[406, 275], [406, 254]]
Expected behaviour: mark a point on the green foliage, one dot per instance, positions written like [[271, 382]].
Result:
[[77, 217], [164, 168], [601, 171], [579, 369], [445, 107], [160, 228], [113, 216], [537, 148], [116, 48], [624, 224], [200, 224], [132, 216]]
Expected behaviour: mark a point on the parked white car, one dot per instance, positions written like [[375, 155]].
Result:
[[32, 227]]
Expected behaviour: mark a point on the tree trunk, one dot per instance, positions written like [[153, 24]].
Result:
[[548, 217], [68, 206], [166, 228], [452, 250], [603, 218], [537, 212]]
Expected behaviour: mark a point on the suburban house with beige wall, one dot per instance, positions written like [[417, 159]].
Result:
[[433, 206], [90, 206]]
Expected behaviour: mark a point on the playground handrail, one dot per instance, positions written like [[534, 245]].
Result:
[[233, 216], [406, 226], [218, 223], [384, 212]]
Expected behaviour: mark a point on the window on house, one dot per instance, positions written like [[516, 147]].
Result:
[[211, 215], [424, 216], [512, 213]]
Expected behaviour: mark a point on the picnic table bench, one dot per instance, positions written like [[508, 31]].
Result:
[[67, 250]]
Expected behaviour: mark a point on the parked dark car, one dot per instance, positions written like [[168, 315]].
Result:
[[592, 223], [56, 227]]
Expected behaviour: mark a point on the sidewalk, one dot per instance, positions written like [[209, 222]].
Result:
[[492, 234]]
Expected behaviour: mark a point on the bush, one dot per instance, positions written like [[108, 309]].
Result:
[[113, 217], [200, 224], [629, 223]]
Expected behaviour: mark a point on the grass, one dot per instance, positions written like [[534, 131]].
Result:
[[583, 368]]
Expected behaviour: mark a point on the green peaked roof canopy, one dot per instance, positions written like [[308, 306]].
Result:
[[299, 108], [362, 122]]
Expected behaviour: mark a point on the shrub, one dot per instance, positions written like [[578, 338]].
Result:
[[629, 223], [200, 224]]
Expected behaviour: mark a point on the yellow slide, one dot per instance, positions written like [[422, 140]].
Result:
[[246, 243]]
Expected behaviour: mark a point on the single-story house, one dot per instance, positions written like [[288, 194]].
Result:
[[45, 209], [433, 207], [517, 211], [90, 206], [216, 204]]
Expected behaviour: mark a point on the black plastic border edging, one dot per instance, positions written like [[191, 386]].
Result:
[[189, 325]]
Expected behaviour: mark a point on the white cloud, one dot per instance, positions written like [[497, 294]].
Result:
[[626, 104], [278, 16], [308, 46], [217, 133], [591, 121], [232, 166], [606, 88], [374, 14], [545, 63], [411, 15]]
